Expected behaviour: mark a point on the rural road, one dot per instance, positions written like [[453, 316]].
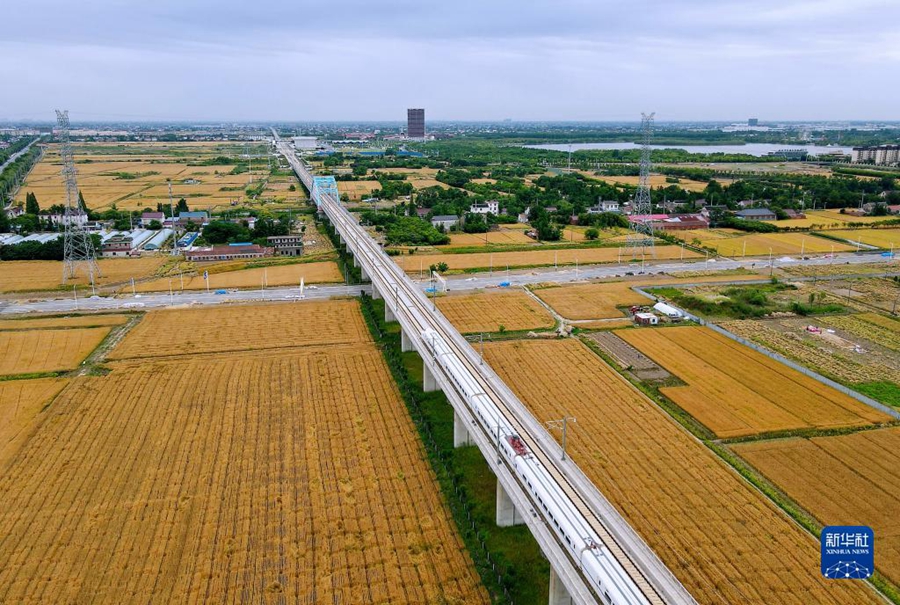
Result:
[[18, 154], [521, 277]]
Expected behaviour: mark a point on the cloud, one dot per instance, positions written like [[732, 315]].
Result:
[[358, 59]]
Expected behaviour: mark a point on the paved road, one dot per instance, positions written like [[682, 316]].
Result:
[[571, 274], [475, 281], [155, 301], [17, 155]]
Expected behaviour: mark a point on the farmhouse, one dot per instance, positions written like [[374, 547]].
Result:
[[286, 245], [231, 252], [756, 214], [444, 220], [149, 217], [488, 207], [604, 206]]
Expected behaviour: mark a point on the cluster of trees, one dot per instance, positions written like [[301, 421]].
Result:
[[400, 229], [229, 232]]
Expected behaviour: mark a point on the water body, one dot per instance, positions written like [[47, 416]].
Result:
[[754, 149]]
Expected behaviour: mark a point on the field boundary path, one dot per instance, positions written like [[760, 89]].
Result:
[[784, 360]]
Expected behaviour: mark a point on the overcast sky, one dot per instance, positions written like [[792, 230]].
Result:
[[460, 59]]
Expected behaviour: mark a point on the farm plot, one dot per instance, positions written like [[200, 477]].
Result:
[[357, 190], [231, 479], [486, 312], [243, 328], [720, 537], [278, 275], [880, 238], [735, 391], [820, 352], [878, 329], [76, 321], [837, 217], [34, 351], [503, 236], [33, 275], [20, 403], [530, 258], [136, 176], [760, 244], [591, 301], [842, 480]]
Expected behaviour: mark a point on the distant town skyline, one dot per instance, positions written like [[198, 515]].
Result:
[[691, 60]]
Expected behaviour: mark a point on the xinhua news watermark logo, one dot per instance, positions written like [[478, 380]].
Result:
[[848, 552]]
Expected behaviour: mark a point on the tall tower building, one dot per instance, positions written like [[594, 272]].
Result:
[[415, 123]]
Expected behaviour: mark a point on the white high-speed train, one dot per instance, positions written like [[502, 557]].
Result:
[[610, 581]]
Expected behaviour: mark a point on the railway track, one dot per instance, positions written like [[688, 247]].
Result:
[[420, 313]]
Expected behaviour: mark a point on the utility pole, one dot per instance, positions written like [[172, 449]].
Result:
[[563, 424]]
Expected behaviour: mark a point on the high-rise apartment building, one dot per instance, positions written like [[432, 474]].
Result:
[[415, 123]]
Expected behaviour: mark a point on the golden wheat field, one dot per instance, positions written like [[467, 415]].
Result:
[[656, 180], [735, 391], [721, 538], [503, 236], [531, 258], [21, 401], [592, 301], [75, 321], [246, 478], [887, 239], [759, 244], [243, 328], [278, 275], [136, 176], [841, 480], [31, 351], [487, 311], [29, 275], [836, 216]]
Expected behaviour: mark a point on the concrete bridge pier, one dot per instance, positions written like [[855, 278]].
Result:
[[559, 595], [461, 436], [429, 384], [389, 316], [362, 271], [406, 344], [507, 515], [376, 295]]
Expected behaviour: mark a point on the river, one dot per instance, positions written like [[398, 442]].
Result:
[[755, 149]]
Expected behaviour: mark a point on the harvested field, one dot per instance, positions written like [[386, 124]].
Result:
[[841, 363], [486, 312], [503, 236], [134, 177], [20, 403], [572, 233], [735, 391], [33, 351], [544, 257], [628, 357], [592, 301], [29, 275], [880, 238], [842, 480], [246, 478], [76, 321], [759, 244], [724, 540], [278, 275], [357, 190], [656, 180], [243, 328], [837, 217], [877, 329]]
